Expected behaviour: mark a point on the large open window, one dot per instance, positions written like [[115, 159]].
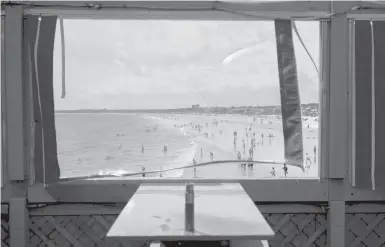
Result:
[[155, 95]]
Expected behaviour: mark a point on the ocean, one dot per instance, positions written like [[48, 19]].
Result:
[[109, 143]]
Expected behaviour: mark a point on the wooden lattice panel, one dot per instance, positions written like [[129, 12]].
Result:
[[365, 230], [295, 230], [292, 230], [4, 230], [77, 231]]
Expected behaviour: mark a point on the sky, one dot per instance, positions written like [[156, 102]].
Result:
[[142, 64]]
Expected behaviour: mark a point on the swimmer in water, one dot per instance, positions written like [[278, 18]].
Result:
[[120, 146], [165, 149], [108, 157]]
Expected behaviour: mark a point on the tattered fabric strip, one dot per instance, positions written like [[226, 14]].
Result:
[[290, 99]]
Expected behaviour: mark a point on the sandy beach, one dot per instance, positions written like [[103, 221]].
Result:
[[216, 135]]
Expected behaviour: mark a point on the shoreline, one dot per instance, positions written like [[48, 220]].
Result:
[[222, 147]]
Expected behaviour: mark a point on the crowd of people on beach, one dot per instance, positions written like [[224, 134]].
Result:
[[245, 154]]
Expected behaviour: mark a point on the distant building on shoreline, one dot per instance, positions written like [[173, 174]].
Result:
[[195, 107]]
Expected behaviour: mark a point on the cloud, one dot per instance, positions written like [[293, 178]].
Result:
[[148, 64]]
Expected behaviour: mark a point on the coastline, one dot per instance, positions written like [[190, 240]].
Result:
[[310, 109]]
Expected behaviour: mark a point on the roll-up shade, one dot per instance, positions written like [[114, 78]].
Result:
[[363, 103], [41, 46], [290, 98]]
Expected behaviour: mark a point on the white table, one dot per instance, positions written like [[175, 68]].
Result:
[[222, 212]]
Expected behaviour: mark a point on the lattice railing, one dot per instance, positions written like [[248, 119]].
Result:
[[79, 231], [294, 230], [4, 230], [365, 230]]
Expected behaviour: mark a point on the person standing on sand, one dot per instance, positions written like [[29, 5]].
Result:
[[262, 138], [272, 171], [142, 149], [308, 161], [195, 169], [211, 156], [201, 154], [285, 170], [143, 171], [251, 153], [239, 156], [315, 154]]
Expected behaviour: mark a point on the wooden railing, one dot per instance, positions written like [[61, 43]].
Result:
[[84, 225]]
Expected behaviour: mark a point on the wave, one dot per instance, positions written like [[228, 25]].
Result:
[[184, 158], [113, 172], [184, 155]]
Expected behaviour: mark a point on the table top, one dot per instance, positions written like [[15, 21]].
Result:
[[222, 212]]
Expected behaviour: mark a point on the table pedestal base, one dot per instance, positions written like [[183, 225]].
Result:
[[223, 243]]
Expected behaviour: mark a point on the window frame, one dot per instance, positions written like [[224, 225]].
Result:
[[332, 166]]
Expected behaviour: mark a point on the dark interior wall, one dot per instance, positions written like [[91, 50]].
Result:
[[363, 91], [379, 46]]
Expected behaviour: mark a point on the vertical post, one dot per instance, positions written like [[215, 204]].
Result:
[[14, 92], [189, 207], [336, 217], [352, 79], [323, 151], [339, 148], [16, 148], [339, 93], [3, 171]]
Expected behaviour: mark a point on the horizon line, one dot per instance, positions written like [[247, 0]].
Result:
[[184, 108]]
